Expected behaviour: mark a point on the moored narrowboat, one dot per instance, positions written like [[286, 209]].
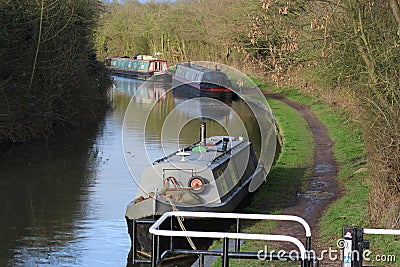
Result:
[[213, 174], [139, 67], [192, 80]]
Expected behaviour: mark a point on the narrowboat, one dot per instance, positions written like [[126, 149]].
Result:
[[212, 174], [139, 67], [191, 80]]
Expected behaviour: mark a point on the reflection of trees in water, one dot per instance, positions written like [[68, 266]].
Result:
[[119, 103], [201, 109], [154, 115], [42, 186], [150, 93], [250, 122]]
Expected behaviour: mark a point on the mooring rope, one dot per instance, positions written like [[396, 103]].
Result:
[[180, 221]]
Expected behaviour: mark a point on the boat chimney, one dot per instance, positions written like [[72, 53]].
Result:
[[225, 143], [203, 134]]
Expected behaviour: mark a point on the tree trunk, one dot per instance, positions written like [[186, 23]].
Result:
[[362, 43], [394, 5]]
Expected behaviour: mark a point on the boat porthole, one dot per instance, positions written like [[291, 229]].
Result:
[[196, 183]]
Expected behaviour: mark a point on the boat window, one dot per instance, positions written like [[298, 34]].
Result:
[[251, 165], [222, 186], [232, 172], [225, 181]]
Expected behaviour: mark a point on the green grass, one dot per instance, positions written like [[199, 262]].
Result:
[[288, 175], [352, 207]]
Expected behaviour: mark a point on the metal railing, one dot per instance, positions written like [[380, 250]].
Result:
[[354, 243], [155, 230]]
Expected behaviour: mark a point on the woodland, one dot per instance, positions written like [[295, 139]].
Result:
[[344, 52], [50, 79]]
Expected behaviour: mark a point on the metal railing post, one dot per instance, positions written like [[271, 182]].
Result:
[[201, 260], [308, 249], [237, 244], [225, 251], [134, 240], [158, 254], [308, 243], [154, 251], [353, 245], [170, 239]]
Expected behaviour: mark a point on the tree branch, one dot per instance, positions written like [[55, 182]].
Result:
[[394, 5]]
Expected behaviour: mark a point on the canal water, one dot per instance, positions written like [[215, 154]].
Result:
[[63, 202]]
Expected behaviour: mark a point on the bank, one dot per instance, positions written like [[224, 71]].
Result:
[[289, 174], [349, 208], [352, 207]]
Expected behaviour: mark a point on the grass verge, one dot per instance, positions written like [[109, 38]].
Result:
[[352, 207], [286, 177]]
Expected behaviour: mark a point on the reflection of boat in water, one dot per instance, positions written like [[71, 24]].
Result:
[[201, 107], [148, 91], [191, 80], [140, 67], [213, 174]]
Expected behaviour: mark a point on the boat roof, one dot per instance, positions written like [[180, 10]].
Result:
[[136, 59], [196, 67], [200, 156]]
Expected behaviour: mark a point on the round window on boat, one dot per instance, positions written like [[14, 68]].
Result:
[[196, 183]]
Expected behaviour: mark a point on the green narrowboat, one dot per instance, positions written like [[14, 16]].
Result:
[[139, 67]]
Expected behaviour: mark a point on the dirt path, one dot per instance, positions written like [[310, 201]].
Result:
[[322, 188]]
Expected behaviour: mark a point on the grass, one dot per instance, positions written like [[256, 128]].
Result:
[[288, 175], [352, 207]]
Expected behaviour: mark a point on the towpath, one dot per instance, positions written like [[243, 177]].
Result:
[[322, 186]]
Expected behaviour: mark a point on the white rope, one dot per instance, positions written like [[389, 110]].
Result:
[[180, 221]]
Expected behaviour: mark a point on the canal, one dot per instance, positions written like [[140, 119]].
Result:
[[63, 202]]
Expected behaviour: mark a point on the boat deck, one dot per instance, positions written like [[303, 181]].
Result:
[[205, 155]]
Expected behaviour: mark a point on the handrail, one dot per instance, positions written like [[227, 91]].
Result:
[[381, 231], [198, 214], [227, 151], [265, 237], [189, 147], [354, 243]]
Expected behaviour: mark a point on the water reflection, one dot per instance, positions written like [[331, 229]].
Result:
[[147, 92], [155, 129], [63, 203], [44, 188]]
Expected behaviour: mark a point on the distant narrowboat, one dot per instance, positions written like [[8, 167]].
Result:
[[191, 80], [140, 67]]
